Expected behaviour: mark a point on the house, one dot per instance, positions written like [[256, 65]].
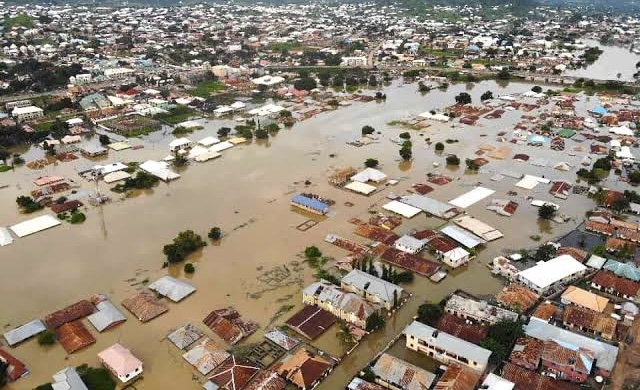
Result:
[[445, 347], [90, 150], [461, 328], [503, 267], [206, 356], [409, 244], [343, 304], [547, 276], [68, 379], [477, 311], [372, 288], [589, 321], [524, 379], [495, 382], [304, 369], [583, 298], [615, 285], [121, 362], [456, 257], [527, 353], [394, 373], [458, 377], [627, 270], [517, 297], [311, 321], [310, 204], [369, 175], [267, 380], [354, 61], [605, 354], [15, 369], [22, 114], [233, 374], [180, 144], [172, 288], [568, 362]]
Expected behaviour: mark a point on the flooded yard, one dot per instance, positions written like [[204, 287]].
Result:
[[257, 266]]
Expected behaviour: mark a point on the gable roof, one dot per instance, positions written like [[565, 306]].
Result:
[[401, 374], [234, 373], [119, 359], [304, 368], [585, 298]]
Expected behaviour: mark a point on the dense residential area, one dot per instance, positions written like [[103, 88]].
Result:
[[334, 195]]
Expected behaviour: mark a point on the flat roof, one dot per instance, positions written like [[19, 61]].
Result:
[[465, 238], [547, 273], [172, 288], [403, 209], [361, 188], [471, 197], [35, 225], [448, 342], [478, 228], [430, 205]]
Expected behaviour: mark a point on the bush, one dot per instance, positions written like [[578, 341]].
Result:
[[311, 252], [537, 89], [430, 313], [405, 135], [439, 146], [546, 211], [77, 217], [367, 130], [215, 233], [371, 163], [403, 277], [183, 245], [28, 205], [189, 268], [47, 338], [375, 322], [262, 134], [96, 378], [224, 132], [452, 159], [405, 153], [486, 96], [104, 139]]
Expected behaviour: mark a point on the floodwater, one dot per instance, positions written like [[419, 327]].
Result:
[[624, 59], [246, 193]]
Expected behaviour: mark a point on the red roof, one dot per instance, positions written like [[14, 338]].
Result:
[[234, 373], [311, 321], [458, 327], [16, 369], [411, 262], [70, 313], [529, 380], [623, 286]]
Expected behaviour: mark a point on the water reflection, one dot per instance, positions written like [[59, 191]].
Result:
[[405, 165]]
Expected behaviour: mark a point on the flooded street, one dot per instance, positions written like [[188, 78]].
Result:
[[247, 193]]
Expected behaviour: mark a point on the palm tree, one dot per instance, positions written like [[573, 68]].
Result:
[[344, 334]]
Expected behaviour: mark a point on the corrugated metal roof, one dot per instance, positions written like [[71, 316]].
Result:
[[23, 332], [310, 203]]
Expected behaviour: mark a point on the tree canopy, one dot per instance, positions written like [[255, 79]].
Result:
[[183, 245]]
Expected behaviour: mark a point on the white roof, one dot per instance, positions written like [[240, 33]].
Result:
[[237, 105], [621, 130], [172, 288], [74, 121], [106, 316], [402, 209], [115, 176], [435, 117], [68, 379], [268, 80], [362, 188], [369, 174], [456, 254], [529, 182], [449, 343], [624, 153], [219, 147], [24, 332], [206, 156], [189, 124], [110, 168], [25, 110], [494, 382], [159, 169], [179, 142], [5, 237], [208, 141], [465, 238], [547, 273], [35, 225], [478, 228], [475, 195]]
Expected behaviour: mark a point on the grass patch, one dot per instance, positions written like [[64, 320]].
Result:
[[4, 168], [535, 237], [175, 115], [404, 125], [206, 88], [44, 126]]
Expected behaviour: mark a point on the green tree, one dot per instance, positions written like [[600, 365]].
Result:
[[546, 211], [486, 96], [620, 205], [405, 135], [366, 130], [402, 277], [224, 132], [47, 338], [439, 146], [183, 245], [504, 75], [4, 154], [405, 153], [537, 89], [305, 84], [371, 163], [262, 134], [544, 253], [452, 159], [599, 250], [375, 321], [189, 268], [104, 139], [344, 334], [463, 98], [96, 378], [471, 165], [312, 252], [430, 313], [215, 233], [368, 375]]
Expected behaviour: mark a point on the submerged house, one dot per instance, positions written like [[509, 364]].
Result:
[[309, 204]]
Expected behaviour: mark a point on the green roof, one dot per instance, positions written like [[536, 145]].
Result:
[[566, 133]]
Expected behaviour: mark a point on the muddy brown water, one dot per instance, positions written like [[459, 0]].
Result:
[[247, 192]]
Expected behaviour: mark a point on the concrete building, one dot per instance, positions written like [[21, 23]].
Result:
[[456, 257], [477, 311], [372, 288], [445, 347], [121, 362], [27, 113], [409, 244], [550, 275], [343, 304]]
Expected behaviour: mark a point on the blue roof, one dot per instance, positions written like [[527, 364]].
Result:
[[599, 110], [310, 202], [474, 48]]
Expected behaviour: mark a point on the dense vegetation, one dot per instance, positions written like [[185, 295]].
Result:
[[32, 75], [141, 180], [183, 245]]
